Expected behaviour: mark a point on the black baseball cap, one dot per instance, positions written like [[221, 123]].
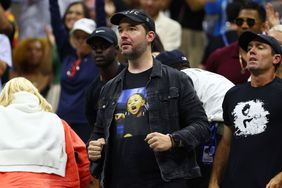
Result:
[[248, 36], [103, 32], [172, 58], [135, 15]]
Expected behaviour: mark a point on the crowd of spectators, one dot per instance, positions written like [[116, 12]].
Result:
[[45, 41]]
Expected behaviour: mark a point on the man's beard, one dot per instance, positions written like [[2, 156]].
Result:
[[136, 52]]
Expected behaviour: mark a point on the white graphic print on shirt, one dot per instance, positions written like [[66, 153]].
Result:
[[250, 118]]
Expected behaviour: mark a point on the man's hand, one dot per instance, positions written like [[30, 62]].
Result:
[[95, 149], [273, 17], [159, 142], [275, 182]]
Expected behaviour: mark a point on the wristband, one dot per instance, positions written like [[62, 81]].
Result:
[[172, 141], [177, 140]]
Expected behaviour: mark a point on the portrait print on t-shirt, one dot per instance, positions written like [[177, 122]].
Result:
[[131, 113], [250, 118]]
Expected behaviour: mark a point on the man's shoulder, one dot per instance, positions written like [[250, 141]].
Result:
[[277, 84], [238, 89], [110, 84], [278, 80], [94, 85], [222, 55], [227, 49]]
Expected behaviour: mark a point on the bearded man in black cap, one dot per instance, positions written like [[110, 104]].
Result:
[[249, 154], [155, 148]]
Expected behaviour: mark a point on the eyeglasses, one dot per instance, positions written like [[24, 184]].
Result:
[[240, 21]]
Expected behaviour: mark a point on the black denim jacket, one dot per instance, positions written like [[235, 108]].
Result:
[[173, 108]]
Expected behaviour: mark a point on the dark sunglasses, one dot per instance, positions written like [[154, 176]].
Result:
[[250, 21]]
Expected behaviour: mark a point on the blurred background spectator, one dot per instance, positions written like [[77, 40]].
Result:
[[229, 60], [5, 58], [62, 26], [168, 29], [33, 60], [190, 14], [229, 35], [77, 72], [7, 21]]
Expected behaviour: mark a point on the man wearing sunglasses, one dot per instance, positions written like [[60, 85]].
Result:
[[229, 61], [249, 153]]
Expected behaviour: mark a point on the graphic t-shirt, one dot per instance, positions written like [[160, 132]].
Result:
[[133, 163], [254, 116]]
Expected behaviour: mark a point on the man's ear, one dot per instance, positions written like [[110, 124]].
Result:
[[277, 58], [151, 36]]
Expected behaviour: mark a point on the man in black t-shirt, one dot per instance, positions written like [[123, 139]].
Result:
[[104, 43], [149, 118], [249, 154]]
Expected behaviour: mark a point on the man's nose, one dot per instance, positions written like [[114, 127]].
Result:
[[123, 34], [245, 26], [252, 50]]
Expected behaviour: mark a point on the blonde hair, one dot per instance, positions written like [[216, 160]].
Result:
[[21, 84]]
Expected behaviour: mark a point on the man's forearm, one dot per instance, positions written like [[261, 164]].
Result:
[[219, 164]]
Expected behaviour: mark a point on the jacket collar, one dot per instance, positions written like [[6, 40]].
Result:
[[156, 71]]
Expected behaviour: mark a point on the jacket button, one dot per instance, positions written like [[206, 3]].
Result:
[[104, 106], [113, 103]]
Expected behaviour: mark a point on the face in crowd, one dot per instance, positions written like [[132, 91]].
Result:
[[134, 38], [260, 57], [104, 52], [74, 12], [249, 20], [34, 53], [78, 39], [152, 7]]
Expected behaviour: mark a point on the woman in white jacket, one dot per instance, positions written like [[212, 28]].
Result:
[[37, 148]]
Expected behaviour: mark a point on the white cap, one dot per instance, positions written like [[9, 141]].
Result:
[[84, 24]]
